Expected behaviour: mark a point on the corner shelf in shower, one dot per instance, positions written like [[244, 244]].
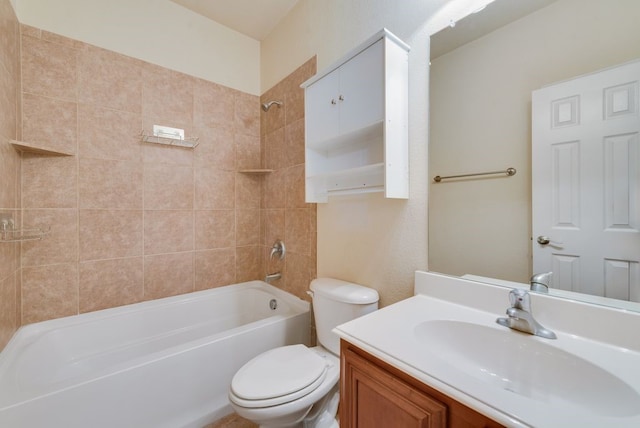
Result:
[[189, 143], [37, 149]]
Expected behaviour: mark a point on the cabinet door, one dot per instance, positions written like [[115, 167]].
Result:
[[372, 398], [322, 108], [361, 96]]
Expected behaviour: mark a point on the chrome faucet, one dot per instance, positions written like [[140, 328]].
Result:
[[520, 317], [540, 282], [278, 249], [272, 277]]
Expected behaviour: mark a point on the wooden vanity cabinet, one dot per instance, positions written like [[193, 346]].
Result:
[[374, 394]]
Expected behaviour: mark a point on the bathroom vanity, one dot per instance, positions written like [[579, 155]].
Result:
[[440, 359], [376, 394]]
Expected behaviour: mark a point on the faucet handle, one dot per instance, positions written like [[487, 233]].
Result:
[[520, 299], [279, 249]]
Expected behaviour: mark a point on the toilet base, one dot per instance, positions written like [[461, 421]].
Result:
[[321, 415]]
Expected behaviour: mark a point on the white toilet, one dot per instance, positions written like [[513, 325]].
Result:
[[296, 385]]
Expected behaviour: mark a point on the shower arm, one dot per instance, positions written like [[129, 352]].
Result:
[[267, 106]]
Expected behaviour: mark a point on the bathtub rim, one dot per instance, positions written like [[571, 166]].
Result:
[[28, 332], [32, 332]]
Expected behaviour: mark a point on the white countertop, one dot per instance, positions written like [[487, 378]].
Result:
[[391, 335]]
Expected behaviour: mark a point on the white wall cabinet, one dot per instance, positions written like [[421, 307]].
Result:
[[356, 118]]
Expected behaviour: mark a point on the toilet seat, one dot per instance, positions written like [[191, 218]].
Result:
[[278, 376]]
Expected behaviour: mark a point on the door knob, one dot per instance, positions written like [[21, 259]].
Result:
[[544, 240]]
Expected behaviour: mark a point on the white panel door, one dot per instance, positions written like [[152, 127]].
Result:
[[586, 183]]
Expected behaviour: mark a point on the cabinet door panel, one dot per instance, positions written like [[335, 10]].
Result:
[[377, 399], [359, 142], [374, 394], [321, 114], [362, 89]]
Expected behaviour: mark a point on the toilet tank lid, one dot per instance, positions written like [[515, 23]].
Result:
[[343, 291]]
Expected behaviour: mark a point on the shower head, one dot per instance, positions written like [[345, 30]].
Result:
[[267, 106]]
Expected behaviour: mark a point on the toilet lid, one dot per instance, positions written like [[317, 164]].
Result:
[[279, 373]]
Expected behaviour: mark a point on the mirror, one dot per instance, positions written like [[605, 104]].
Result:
[[481, 78]]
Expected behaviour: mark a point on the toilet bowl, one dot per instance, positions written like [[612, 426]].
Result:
[[296, 385], [279, 387]]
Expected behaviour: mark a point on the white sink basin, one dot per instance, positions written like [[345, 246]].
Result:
[[588, 377], [527, 366]]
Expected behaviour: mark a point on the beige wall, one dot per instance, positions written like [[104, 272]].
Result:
[[157, 31], [9, 168], [330, 28], [369, 240], [480, 121]]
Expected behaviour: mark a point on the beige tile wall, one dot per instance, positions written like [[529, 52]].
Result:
[[285, 214], [9, 168], [134, 221]]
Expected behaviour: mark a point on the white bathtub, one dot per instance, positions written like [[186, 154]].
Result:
[[162, 363]]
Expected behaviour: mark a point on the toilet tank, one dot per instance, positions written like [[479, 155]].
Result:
[[336, 302]]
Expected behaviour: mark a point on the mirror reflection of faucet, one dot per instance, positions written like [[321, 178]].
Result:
[[540, 282], [520, 317]]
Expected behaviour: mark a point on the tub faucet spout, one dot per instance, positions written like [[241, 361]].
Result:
[[272, 276], [519, 316]]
